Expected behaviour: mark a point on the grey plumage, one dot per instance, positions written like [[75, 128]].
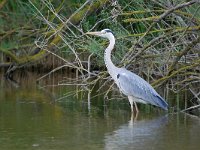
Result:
[[132, 84], [136, 88]]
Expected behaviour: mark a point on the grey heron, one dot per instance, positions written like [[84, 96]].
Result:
[[130, 84]]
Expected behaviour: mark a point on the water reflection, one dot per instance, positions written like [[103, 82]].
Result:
[[136, 134], [177, 131]]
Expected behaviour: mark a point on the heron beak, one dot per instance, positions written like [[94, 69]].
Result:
[[94, 33]]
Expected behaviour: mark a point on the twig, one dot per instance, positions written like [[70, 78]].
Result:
[[190, 108], [166, 13], [196, 95], [184, 52], [165, 78]]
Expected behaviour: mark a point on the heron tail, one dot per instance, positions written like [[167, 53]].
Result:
[[161, 102]]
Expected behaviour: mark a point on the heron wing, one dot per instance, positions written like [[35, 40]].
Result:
[[133, 85]]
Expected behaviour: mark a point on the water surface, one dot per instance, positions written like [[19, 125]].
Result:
[[30, 119]]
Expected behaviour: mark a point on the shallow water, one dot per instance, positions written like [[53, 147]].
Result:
[[30, 119]]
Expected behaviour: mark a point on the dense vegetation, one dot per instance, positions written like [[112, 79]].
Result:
[[157, 39]]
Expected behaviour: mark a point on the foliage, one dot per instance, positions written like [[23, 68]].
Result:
[[158, 40]]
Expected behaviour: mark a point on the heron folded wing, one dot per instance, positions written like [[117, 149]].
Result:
[[133, 85]]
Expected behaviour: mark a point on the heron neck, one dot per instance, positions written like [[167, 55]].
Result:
[[107, 56]]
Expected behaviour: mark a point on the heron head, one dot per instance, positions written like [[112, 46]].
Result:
[[106, 33]]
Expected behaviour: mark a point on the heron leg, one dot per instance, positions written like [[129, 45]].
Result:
[[131, 101], [136, 108], [133, 117]]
